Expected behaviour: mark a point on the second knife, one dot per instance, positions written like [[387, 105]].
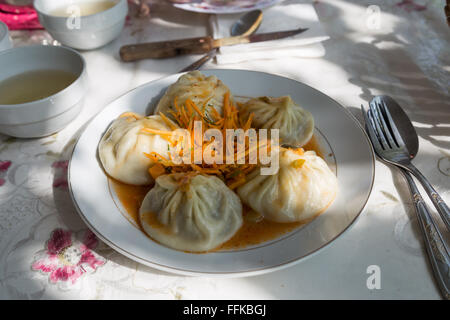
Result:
[[167, 49]]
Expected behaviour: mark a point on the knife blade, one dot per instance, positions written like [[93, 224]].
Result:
[[167, 49], [256, 38]]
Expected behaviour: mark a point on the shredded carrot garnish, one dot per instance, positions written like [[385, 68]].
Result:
[[297, 164], [166, 120], [175, 104], [216, 114], [184, 115], [156, 157], [158, 132], [131, 115], [157, 170], [299, 151], [194, 106], [249, 122], [187, 103]]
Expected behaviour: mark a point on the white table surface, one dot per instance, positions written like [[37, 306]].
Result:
[[407, 57]]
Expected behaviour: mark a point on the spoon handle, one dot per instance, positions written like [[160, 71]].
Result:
[[440, 205], [200, 62], [435, 246]]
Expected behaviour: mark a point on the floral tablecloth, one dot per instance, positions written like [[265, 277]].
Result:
[[399, 48]]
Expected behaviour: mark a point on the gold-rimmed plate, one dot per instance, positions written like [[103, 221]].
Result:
[[347, 149], [225, 7]]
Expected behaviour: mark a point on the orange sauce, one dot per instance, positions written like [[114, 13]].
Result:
[[253, 231], [313, 145], [130, 197], [150, 219]]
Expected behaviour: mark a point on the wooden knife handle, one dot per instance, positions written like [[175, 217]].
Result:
[[166, 49]]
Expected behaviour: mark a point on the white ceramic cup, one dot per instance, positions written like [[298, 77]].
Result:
[[5, 39], [82, 32], [49, 115]]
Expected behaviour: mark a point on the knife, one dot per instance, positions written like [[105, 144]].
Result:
[[167, 49]]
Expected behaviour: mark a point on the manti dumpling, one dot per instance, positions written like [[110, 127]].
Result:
[[296, 124], [303, 188], [207, 92], [121, 149], [190, 212]]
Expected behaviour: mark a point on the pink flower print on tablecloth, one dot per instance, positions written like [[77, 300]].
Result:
[[4, 166], [61, 174], [410, 5], [65, 259]]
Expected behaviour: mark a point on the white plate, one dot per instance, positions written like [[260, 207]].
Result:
[[231, 7], [352, 156]]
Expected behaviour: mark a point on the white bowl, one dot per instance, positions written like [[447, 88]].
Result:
[[85, 32], [5, 40], [46, 116]]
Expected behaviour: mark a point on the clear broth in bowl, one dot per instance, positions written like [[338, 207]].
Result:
[[83, 8], [34, 85]]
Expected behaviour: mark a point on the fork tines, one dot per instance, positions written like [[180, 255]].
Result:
[[384, 126]]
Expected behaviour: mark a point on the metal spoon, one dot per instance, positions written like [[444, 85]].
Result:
[[246, 25], [436, 248], [403, 124], [409, 137]]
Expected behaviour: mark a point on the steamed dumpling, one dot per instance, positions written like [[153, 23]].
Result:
[[190, 213], [205, 91], [296, 124], [303, 188], [121, 149]]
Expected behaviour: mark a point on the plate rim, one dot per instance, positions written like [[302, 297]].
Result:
[[254, 272], [188, 7]]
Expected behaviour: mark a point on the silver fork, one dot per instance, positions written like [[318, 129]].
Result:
[[435, 246], [395, 152]]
